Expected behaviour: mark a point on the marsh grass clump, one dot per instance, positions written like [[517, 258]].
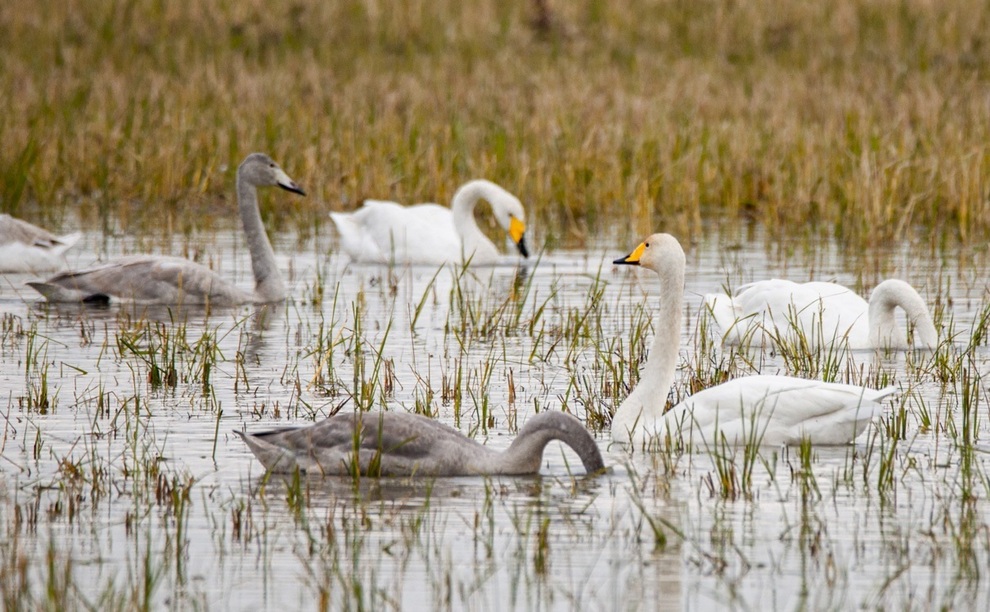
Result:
[[877, 125], [338, 351], [807, 352], [733, 467], [39, 396], [479, 311], [329, 343], [168, 355], [11, 330]]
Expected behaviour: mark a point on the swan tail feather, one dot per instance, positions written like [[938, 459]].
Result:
[[354, 238], [275, 458], [66, 242], [56, 293]]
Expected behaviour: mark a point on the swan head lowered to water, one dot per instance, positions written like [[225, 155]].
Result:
[[385, 232], [405, 444], [821, 315], [760, 409], [158, 279], [508, 210], [884, 330]]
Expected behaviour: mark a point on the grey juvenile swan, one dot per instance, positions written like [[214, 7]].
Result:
[[28, 248], [155, 279], [405, 444]]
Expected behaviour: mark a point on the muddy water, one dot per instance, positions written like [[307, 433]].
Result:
[[139, 493]]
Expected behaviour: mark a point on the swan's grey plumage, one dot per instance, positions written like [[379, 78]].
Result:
[[405, 444], [173, 280], [819, 315], [28, 248], [770, 410], [386, 232]]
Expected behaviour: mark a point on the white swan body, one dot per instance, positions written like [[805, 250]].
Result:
[[769, 410], [386, 232], [821, 315], [153, 279], [29, 248], [405, 444]]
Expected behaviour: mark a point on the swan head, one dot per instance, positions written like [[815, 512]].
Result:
[[512, 217], [884, 332], [261, 171], [658, 252], [509, 213]]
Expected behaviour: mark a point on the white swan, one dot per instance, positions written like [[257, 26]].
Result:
[[385, 232], [405, 444], [153, 279], [28, 248], [821, 315], [769, 410]]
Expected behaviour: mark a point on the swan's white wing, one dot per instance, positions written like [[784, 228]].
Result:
[[355, 240], [833, 313], [823, 313], [382, 231], [776, 410], [754, 313], [143, 279]]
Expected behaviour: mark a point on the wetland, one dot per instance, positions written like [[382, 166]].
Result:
[[842, 141]]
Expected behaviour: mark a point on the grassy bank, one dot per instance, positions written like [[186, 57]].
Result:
[[867, 117]]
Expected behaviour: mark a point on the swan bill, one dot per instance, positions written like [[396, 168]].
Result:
[[521, 245], [632, 259], [517, 231], [285, 182]]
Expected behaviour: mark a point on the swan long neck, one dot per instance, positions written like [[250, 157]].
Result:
[[462, 209], [884, 332], [268, 281], [526, 452], [645, 404]]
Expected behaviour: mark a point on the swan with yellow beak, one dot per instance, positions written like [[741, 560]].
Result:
[[429, 234]]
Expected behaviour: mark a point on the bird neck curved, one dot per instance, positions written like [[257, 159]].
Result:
[[646, 403], [884, 331], [525, 453], [462, 209], [268, 282]]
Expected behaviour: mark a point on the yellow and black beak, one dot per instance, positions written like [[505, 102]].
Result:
[[517, 231], [632, 259]]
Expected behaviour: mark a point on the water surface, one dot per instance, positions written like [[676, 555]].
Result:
[[127, 476]]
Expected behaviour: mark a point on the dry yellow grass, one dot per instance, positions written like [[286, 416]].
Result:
[[867, 119]]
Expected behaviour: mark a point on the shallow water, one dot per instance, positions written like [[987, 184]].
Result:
[[139, 493]]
